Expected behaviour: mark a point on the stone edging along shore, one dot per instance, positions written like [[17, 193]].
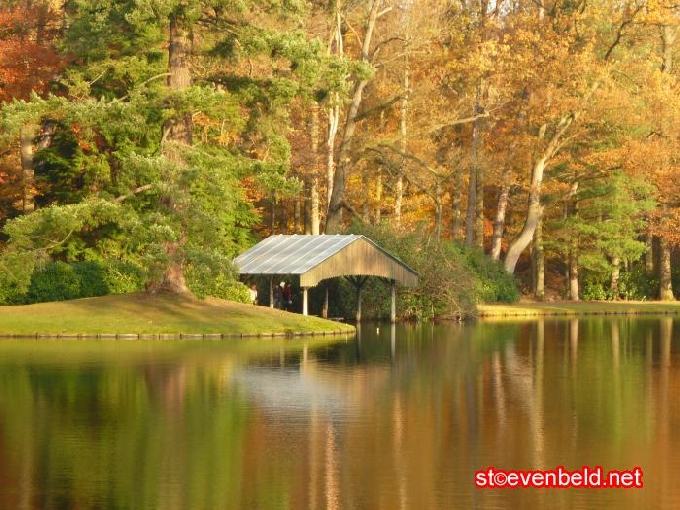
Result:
[[175, 336]]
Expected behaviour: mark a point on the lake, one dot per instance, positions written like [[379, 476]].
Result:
[[410, 416]]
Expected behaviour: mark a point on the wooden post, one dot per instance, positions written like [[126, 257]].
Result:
[[358, 304], [393, 312], [324, 310], [304, 300], [271, 292], [358, 282]]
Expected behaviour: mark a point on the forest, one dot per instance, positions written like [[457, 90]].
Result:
[[146, 143]]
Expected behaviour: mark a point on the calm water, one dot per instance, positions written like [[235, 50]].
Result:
[[396, 418]]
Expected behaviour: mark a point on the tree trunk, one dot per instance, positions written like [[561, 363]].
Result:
[[334, 109], [499, 221], [315, 219], [665, 281], [616, 273], [179, 78], [472, 195], [398, 200], [534, 206], [539, 257], [479, 206], [28, 172], [573, 275], [333, 120], [178, 131], [312, 219], [399, 188], [649, 253], [534, 211], [337, 198], [297, 216], [456, 201]]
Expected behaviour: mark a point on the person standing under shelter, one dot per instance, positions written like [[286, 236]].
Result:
[[288, 297], [253, 294]]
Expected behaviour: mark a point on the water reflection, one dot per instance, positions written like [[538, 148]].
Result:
[[400, 417]]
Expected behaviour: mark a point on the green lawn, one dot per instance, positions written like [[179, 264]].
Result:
[[527, 309], [162, 314]]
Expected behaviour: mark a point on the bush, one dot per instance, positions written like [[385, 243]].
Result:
[[57, 281], [637, 284], [60, 281], [452, 278], [494, 283], [220, 285]]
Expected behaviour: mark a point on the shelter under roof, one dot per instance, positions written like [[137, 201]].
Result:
[[318, 257], [313, 258]]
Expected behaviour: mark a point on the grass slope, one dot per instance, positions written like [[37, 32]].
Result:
[[155, 315], [528, 309]]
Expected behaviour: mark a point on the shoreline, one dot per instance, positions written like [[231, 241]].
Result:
[[170, 336], [585, 308]]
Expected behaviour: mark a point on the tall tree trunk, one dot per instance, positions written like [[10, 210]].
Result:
[[506, 179], [178, 131], [539, 258], [456, 202], [479, 206], [499, 220], [336, 45], [312, 223], [573, 275], [337, 199], [315, 219], [28, 173], [297, 216], [399, 188], [649, 253], [668, 35], [534, 206], [398, 200], [665, 281], [616, 273], [472, 191], [439, 192], [479, 172]]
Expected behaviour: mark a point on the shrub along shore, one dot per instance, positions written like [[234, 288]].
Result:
[[159, 315], [537, 309]]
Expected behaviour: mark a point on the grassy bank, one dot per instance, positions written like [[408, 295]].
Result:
[[529, 309], [164, 314]]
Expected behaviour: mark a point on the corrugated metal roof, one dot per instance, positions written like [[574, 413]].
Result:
[[291, 254], [305, 255]]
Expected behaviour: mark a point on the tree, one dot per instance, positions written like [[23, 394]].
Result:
[[167, 143]]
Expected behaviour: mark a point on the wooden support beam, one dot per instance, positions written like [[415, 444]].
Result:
[[304, 301], [324, 310], [271, 292], [358, 304], [358, 282], [393, 311]]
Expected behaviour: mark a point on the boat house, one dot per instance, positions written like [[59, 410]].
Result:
[[314, 258]]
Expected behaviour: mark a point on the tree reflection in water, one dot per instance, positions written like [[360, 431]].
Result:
[[400, 418]]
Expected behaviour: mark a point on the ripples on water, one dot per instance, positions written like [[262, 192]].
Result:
[[396, 418]]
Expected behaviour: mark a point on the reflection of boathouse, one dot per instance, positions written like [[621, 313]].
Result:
[[316, 258]]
